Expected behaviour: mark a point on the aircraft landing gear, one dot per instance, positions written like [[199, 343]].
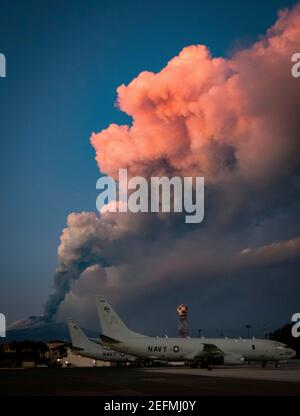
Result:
[[194, 365], [277, 365], [202, 364], [210, 366], [264, 363]]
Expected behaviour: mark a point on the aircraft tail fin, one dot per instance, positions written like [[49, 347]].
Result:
[[78, 337], [112, 325]]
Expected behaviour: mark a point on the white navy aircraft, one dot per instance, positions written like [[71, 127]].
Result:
[[196, 351], [82, 345]]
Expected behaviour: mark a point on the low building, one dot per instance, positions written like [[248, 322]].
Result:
[[22, 354], [28, 364], [57, 350]]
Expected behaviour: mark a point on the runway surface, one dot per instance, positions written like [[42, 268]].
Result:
[[289, 372], [247, 380]]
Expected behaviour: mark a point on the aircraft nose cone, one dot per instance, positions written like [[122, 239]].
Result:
[[290, 352]]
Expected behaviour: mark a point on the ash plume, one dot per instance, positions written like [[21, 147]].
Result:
[[234, 121]]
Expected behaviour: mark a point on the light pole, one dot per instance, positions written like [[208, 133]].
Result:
[[248, 329]]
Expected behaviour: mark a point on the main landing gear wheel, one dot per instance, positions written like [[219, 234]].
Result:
[[264, 363]]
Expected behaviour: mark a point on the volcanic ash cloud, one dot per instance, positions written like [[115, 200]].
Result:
[[234, 121]]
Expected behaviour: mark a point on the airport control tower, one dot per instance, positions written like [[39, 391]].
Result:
[[183, 328]]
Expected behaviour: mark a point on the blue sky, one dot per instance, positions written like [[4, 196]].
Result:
[[65, 60]]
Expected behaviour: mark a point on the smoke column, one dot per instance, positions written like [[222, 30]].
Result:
[[233, 121]]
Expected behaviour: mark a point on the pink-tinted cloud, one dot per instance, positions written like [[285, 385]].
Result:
[[212, 116], [231, 120]]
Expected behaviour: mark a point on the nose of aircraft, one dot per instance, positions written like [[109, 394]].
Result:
[[290, 352]]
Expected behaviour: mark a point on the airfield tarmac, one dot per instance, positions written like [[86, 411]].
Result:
[[123, 381], [289, 372]]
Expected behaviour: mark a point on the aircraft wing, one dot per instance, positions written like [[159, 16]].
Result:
[[212, 350], [209, 350]]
